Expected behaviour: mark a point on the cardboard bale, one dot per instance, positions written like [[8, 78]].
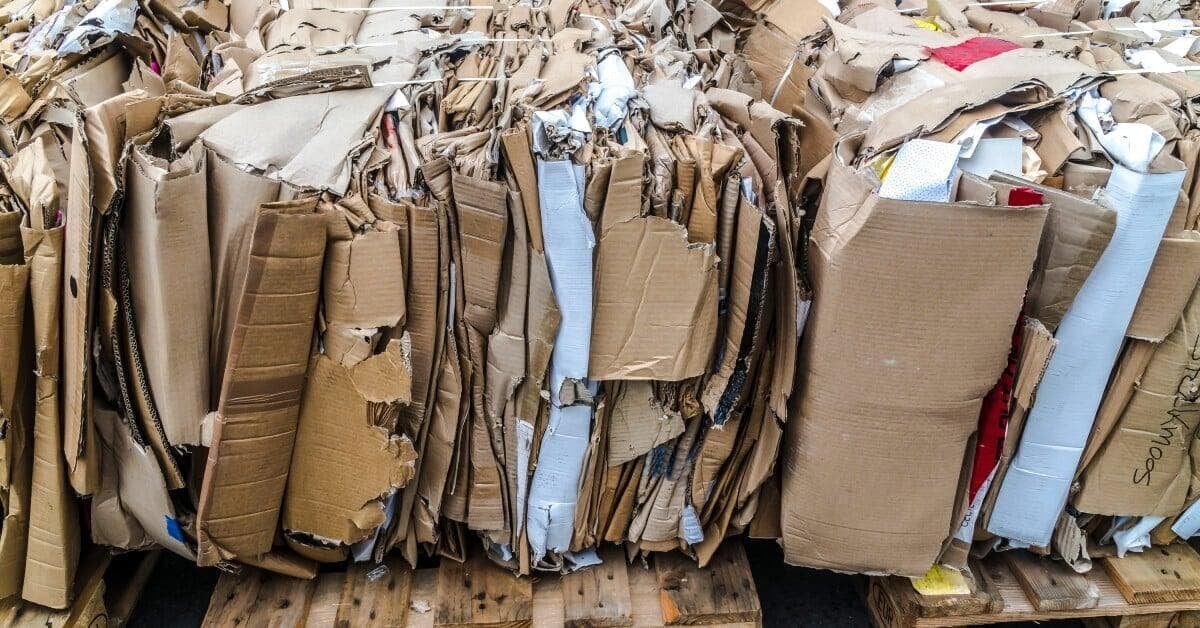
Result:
[[868, 370], [1035, 487]]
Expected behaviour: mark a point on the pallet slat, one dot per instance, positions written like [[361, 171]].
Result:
[[1159, 574], [598, 597], [103, 597], [998, 577], [375, 595], [1051, 585], [723, 592], [479, 594]]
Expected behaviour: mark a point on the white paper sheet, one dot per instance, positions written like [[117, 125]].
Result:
[[923, 170], [996, 154]]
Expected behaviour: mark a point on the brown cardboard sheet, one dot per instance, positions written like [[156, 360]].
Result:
[[1173, 275], [53, 552], [255, 426], [166, 241], [16, 418], [655, 312]]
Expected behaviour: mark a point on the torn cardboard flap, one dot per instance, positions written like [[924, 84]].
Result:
[[364, 281], [313, 149], [638, 423], [344, 466], [656, 294]]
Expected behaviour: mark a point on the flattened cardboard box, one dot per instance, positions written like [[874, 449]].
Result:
[[884, 421], [260, 402]]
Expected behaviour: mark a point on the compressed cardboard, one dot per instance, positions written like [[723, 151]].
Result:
[[95, 179], [16, 415], [53, 552], [1174, 273], [255, 426], [141, 495], [233, 197], [638, 422], [869, 372], [166, 239], [725, 393], [656, 294], [1035, 487], [1143, 468]]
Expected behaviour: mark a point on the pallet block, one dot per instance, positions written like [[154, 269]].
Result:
[[102, 598], [1016, 586], [480, 594]]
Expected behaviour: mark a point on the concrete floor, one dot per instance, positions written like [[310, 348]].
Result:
[[177, 595]]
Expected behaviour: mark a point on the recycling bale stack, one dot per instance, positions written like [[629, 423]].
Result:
[[289, 284]]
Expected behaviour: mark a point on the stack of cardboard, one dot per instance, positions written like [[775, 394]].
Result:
[[1004, 257], [287, 283], [299, 282]]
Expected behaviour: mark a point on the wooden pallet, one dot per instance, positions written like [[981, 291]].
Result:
[[479, 594], [1156, 588], [106, 590]]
